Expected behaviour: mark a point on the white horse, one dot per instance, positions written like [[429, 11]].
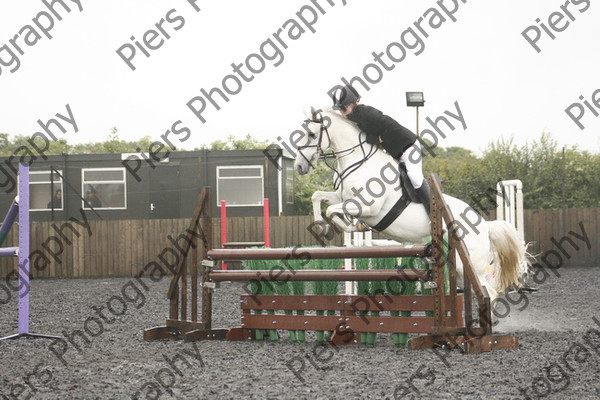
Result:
[[367, 186]]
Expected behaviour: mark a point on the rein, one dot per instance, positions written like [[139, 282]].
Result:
[[339, 176]]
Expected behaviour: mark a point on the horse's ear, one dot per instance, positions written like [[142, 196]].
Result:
[[316, 114], [307, 111]]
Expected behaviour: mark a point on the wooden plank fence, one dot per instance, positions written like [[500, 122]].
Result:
[[125, 247]]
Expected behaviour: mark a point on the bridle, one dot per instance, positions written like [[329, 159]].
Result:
[[317, 117]]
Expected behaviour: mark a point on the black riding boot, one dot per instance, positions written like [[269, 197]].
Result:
[[424, 195]]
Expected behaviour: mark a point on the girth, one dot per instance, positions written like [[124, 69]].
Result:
[[394, 213]]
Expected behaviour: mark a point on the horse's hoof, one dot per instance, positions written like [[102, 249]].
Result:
[[527, 289], [328, 232], [522, 289], [362, 227]]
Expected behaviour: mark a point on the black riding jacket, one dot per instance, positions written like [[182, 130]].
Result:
[[395, 138]]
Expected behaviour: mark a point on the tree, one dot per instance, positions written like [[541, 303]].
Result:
[[232, 143], [21, 144], [462, 175], [4, 143], [114, 145], [552, 177], [321, 178]]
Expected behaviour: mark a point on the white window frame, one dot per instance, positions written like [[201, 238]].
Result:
[[47, 183], [262, 183], [84, 182]]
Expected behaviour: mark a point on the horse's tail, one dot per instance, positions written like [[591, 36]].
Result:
[[509, 252]]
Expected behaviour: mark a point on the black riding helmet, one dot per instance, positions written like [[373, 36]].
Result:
[[343, 96]]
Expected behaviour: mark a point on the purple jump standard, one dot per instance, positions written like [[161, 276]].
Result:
[[23, 252]]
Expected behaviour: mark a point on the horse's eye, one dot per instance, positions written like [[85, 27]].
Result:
[[312, 135]]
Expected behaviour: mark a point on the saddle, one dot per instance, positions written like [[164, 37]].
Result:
[[407, 186]]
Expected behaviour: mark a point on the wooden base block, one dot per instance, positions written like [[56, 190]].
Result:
[[162, 333], [212, 334], [344, 338], [473, 345], [239, 333], [432, 341], [490, 343], [172, 330]]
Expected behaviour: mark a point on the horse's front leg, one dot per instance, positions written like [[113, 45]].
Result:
[[353, 208], [323, 228], [319, 197]]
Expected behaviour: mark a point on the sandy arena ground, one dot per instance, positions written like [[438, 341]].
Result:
[[559, 356]]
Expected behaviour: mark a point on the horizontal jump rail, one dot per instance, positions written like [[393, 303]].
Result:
[[322, 275], [346, 324], [242, 244], [320, 253], [9, 251], [341, 302]]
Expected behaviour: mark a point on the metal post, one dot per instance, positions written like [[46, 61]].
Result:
[[223, 229], [417, 122]]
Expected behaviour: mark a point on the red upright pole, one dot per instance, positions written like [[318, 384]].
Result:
[[266, 223], [223, 229]]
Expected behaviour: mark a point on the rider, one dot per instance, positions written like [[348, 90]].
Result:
[[386, 132]]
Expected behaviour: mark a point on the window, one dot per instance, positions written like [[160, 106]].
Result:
[[289, 184], [240, 185], [104, 188], [41, 196]]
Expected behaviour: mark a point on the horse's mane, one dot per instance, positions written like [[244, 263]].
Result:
[[338, 117]]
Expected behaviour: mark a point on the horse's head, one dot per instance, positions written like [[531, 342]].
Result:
[[315, 140]]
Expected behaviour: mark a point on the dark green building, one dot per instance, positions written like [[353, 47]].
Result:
[[134, 186]]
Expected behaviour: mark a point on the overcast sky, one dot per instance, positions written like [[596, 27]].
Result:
[[504, 87]]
